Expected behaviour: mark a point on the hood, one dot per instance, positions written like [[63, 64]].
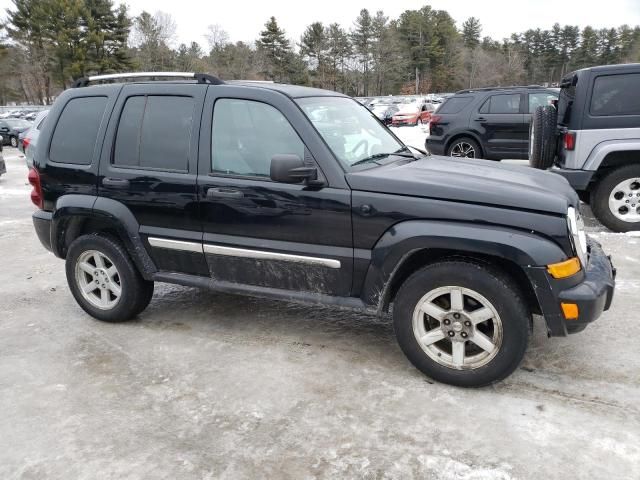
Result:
[[472, 181]]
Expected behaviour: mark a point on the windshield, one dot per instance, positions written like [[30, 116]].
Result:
[[17, 123], [352, 132]]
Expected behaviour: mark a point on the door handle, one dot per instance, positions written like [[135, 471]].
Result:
[[115, 182], [481, 119], [224, 192]]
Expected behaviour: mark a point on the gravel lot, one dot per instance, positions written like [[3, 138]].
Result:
[[204, 385]]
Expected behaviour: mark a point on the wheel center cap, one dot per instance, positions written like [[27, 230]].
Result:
[[457, 326]]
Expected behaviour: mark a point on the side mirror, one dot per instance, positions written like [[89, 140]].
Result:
[[291, 169]]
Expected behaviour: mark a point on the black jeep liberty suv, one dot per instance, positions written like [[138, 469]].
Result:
[[301, 194]]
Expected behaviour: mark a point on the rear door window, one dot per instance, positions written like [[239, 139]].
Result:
[[616, 95], [506, 104], [455, 104], [154, 133], [540, 99], [74, 138]]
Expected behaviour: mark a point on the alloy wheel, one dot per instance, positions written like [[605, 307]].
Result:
[[624, 200], [457, 327], [98, 279], [463, 150]]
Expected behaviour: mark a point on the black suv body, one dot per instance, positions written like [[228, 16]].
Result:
[[491, 123], [302, 194]]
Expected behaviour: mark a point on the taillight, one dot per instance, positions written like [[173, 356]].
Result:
[[433, 121], [25, 143], [36, 193], [569, 140]]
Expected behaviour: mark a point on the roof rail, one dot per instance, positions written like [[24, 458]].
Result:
[[484, 89], [200, 77]]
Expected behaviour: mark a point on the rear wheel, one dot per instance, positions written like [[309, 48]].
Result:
[[542, 137], [104, 280], [14, 141], [465, 148], [462, 323], [616, 199]]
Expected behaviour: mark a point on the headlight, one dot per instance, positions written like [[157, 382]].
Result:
[[579, 238]]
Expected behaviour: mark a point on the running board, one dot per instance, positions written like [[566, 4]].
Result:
[[350, 303]]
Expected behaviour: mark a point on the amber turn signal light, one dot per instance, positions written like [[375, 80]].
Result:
[[570, 311], [564, 269]]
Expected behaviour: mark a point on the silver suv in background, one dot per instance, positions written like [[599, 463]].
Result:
[[593, 140]]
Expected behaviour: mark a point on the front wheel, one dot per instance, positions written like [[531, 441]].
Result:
[[104, 280], [462, 323], [464, 148], [616, 199]]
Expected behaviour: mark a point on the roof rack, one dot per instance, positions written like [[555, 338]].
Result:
[[484, 89], [200, 77]]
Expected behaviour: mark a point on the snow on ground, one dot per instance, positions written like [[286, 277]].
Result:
[[412, 136]]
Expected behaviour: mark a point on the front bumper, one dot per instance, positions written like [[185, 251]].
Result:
[[593, 294], [42, 224]]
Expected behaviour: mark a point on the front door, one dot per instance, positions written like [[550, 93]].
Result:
[[501, 126], [149, 166], [257, 231]]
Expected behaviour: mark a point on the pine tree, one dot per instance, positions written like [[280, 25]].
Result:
[[276, 51], [471, 30], [313, 47], [362, 38]]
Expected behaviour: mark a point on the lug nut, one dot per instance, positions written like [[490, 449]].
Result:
[[451, 333], [464, 335], [456, 316], [627, 201], [447, 321], [467, 323]]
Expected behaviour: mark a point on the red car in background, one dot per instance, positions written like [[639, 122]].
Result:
[[413, 114]]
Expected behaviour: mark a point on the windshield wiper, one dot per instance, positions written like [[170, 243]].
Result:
[[403, 152]]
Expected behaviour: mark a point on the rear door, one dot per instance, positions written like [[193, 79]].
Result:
[[257, 231], [149, 165], [501, 126]]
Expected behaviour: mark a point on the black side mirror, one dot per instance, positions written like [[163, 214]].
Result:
[[291, 169]]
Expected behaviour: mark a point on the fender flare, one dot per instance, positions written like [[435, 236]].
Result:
[[601, 150], [73, 210], [398, 243]]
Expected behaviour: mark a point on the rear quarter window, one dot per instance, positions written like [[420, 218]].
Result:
[[74, 138], [455, 104], [616, 95]]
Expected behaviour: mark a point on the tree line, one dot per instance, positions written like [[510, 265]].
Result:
[[47, 44]]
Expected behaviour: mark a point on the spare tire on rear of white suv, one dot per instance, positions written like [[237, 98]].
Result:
[[542, 137]]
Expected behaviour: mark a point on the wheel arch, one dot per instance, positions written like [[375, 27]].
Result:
[[411, 245], [77, 215]]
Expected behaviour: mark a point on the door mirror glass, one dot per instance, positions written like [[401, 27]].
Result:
[[288, 168]]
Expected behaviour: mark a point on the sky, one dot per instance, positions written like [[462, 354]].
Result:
[[244, 19]]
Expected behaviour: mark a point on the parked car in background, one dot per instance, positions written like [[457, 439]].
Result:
[[491, 123], [31, 137], [413, 114], [10, 129], [3, 166], [384, 112], [593, 140]]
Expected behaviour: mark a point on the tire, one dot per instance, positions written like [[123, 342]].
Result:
[[507, 328], [542, 137], [616, 214], [464, 147], [13, 141], [83, 269]]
